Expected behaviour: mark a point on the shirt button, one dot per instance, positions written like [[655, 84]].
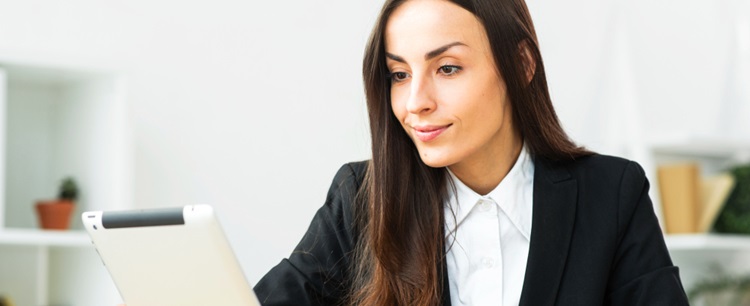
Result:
[[488, 262], [485, 205]]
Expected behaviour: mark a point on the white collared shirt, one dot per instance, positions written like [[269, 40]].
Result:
[[487, 252]]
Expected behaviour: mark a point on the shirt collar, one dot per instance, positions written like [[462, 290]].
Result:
[[513, 195]]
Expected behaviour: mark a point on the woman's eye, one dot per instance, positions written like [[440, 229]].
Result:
[[449, 70], [399, 76]]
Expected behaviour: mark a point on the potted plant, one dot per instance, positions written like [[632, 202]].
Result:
[[55, 214]]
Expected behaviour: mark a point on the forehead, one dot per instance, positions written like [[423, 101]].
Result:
[[420, 25]]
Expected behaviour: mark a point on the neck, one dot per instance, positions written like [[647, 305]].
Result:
[[483, 174]]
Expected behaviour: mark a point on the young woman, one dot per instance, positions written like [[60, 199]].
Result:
[[474, 194]]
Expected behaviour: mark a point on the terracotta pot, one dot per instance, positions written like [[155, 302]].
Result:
[[54, 214]]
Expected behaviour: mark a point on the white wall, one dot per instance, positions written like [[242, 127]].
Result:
[[28, 165], [252, 106], [681, 56]]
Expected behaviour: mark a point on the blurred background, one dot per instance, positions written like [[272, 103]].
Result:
[[252, 106]]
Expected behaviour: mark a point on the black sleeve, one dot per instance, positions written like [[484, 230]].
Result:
[[316, 272], [642, 271]]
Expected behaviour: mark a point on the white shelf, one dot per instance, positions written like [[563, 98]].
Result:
[[38, 237], [716, 149], [691, 242], [52, 118]]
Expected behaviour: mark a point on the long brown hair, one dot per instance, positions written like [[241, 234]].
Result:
[[401, 248]]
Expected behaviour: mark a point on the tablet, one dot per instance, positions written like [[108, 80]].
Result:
[[169, 257]]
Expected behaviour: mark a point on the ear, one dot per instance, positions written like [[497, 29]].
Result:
[[529, 63]]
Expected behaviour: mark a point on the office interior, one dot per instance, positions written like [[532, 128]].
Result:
[[252, 106]]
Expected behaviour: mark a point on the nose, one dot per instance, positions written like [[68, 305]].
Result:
[[421, 96]]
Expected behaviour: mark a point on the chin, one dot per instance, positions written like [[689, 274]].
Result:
[[435, 159]]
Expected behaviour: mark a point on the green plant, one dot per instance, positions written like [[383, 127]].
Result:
[[735, 216], [68, 190]]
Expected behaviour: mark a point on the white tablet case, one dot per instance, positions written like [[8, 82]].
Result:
[[169, 257]]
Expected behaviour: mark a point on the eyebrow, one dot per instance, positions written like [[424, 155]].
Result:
[[429, 55]]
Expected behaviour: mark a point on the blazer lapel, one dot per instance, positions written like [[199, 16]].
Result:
[[555, 197]]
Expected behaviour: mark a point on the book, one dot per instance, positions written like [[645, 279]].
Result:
[[679, 185], [714, 193]]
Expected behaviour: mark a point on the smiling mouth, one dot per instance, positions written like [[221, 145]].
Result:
[[428, 133]]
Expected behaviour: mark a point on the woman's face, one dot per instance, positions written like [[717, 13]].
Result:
[[445, 88]]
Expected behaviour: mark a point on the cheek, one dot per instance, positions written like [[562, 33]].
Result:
[[491, 95], [398, 103], [470, 100], [481, 109]]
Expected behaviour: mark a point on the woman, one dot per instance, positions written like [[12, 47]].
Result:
[[474, 194]]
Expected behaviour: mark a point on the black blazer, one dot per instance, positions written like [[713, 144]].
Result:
[[594, 241]]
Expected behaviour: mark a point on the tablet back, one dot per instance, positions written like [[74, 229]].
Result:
[[169, 257]]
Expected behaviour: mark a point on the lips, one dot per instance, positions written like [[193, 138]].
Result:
[[427, 133]]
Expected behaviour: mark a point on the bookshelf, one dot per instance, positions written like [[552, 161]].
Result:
[[58, 121], [713, 155], [705, 255], [716, 242]]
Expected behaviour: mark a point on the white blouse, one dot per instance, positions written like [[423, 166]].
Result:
[[487, 251]]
